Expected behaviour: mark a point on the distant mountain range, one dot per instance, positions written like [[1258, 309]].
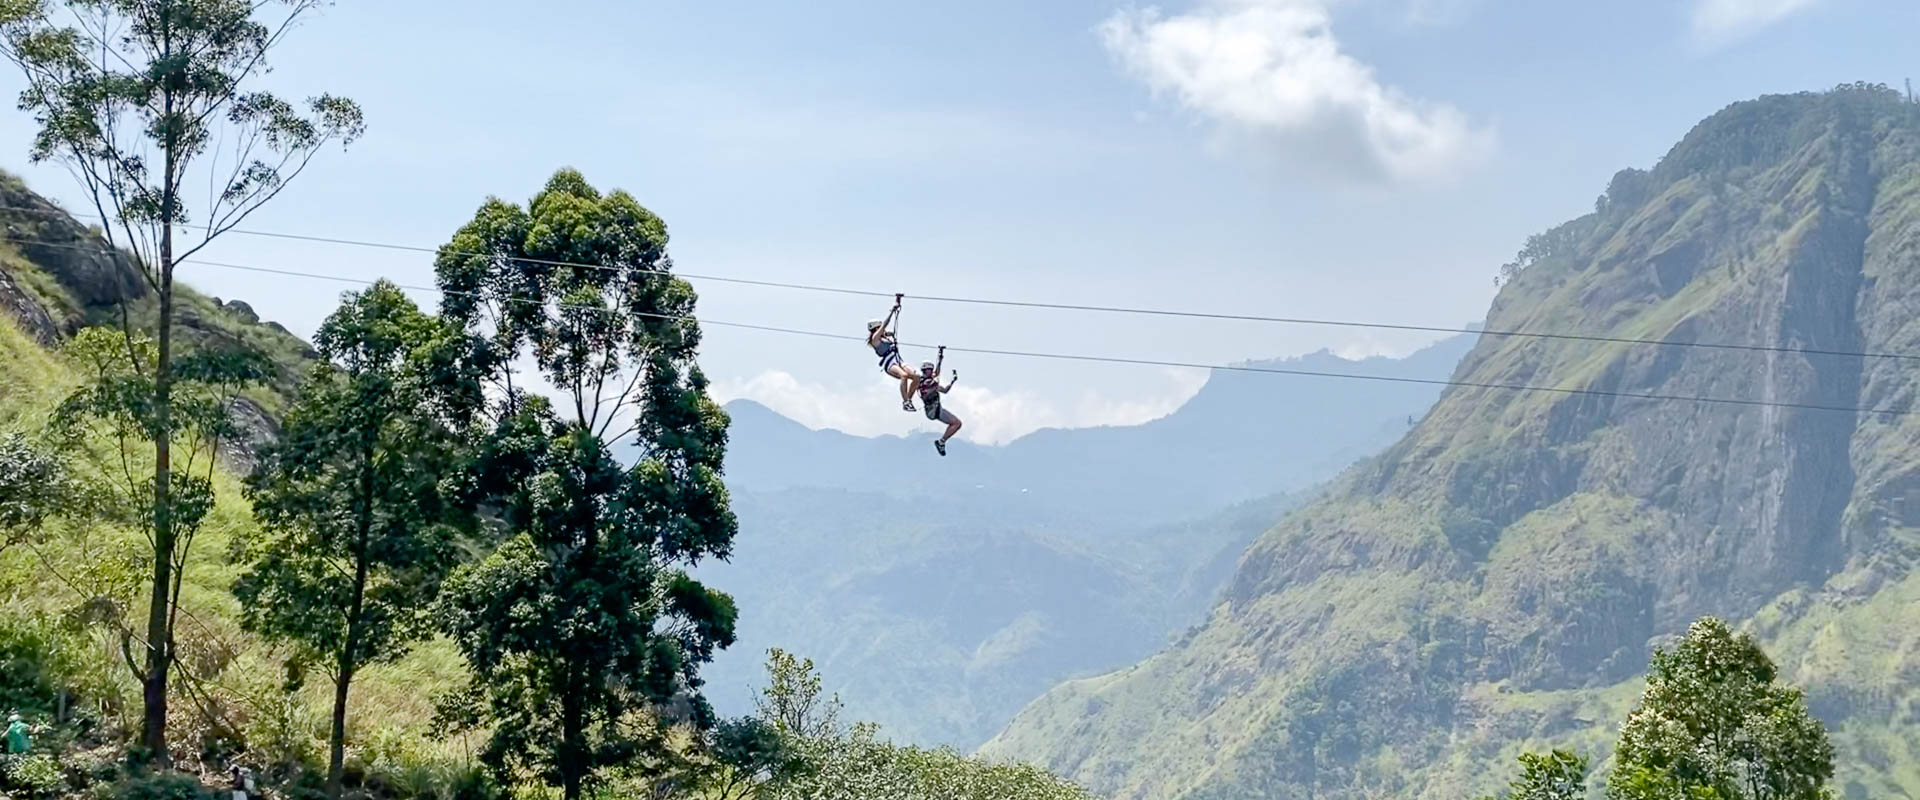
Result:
[[1244, 435], [941, 595]]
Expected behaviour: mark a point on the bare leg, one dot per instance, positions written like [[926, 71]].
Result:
[[952, 428], [906, 385]]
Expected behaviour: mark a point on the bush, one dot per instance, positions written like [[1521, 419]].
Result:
[[34, 666], [31, 776], [162, 786]]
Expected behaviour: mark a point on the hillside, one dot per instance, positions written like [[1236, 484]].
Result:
[[57, 275], [1497, 576]]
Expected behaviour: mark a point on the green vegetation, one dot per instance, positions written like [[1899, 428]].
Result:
[[333, 558], [173, 75], [1558, 775], [357, 489], [803, 753]]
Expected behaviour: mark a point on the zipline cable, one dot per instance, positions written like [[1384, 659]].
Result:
[[1606, 393], [1105, 309]]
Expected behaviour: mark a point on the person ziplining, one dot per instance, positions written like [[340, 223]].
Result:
[[885, 341], [930, 392]]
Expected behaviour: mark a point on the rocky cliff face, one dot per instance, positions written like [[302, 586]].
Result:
[[1499, 573], [57, 275]]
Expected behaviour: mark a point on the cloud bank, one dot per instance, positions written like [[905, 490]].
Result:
[[992, 416]]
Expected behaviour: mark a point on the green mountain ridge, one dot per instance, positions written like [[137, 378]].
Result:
[[1498, 576]]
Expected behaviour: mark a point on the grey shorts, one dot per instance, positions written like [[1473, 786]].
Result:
[[938, 414]]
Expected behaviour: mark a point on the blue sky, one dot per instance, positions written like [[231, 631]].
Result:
[[1368, 159]]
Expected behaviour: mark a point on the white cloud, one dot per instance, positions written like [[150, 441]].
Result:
[[1272, 75], [991, 416], [1726, 19]]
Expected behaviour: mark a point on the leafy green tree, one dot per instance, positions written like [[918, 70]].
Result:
[[750, 754], [1714, 722], [584, 630], [1559, 775], [132, 95], [793, 701], [799, 751], [357, 492]]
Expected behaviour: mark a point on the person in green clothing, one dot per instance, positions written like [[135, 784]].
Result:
[[18, 742]]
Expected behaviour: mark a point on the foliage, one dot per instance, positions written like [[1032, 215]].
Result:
[[584, 632], [130, 95], [792, 701], [359, 492], [36, 775], [1714, 717], [31, 484], [36, 664], [1558, 775], [162, 786], [796, 750], [860, 766], [749, 753]]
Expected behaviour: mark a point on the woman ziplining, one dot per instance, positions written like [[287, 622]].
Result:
[[885, 341], [883, 335]]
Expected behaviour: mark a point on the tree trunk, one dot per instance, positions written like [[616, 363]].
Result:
[[153, 731], [336, 760], [572, 738], [153, 724], [349, 657]]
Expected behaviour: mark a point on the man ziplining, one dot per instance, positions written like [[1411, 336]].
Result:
[[930, 391]]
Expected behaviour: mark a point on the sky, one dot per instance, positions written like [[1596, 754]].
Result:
[[1371, 160]]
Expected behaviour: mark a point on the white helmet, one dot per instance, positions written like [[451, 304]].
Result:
[[926, 366], [873, 323]]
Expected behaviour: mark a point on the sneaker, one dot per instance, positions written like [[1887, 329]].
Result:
[[940, 445], [907, 406]]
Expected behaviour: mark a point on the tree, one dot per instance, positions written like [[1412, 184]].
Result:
[[1559, 775], [584, 631], [132, 96], [115, 403], [357, 491], [799, 751], [750, 753], [1715, 723], [792, 701]]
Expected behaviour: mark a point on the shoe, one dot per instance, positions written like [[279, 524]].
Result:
[[940, 445], [907, 406]]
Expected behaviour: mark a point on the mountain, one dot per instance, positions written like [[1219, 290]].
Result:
[[1498, 576], [942, 606], [1244, 435]]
